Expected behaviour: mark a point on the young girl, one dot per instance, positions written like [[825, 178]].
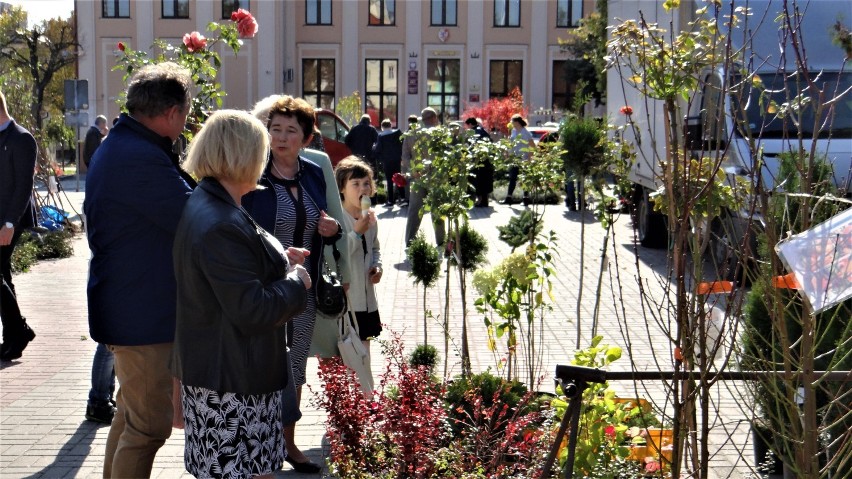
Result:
[[355, 182]]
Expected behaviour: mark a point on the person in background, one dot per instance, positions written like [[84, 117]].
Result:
[[18, 154], [361, 138], [317, 143], [237, 287], [131, 221], [292, 207], [101, 405], [354, 180], [482, 175], [94, 136], [416, 193], [388, 153], [522, 143]]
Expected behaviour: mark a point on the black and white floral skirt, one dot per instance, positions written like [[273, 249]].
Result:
[[231, 435]]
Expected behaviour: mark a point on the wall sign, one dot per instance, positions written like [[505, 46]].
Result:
[[412, 82]]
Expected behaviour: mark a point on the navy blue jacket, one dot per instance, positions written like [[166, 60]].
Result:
[[18, 152], [262, 205], [135, 194]]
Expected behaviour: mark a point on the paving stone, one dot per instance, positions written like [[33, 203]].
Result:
[[43, 432]]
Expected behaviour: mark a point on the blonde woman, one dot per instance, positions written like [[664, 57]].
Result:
[[237, 287]]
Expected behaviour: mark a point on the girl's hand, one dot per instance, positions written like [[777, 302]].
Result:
[[375, 274], [327, 226], [297, 255], [362, 223]]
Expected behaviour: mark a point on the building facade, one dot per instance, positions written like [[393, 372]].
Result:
[[400, 55]]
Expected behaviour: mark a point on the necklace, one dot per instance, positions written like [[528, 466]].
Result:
[[287, 182]]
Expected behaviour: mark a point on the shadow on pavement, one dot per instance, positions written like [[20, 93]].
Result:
[[70, 458]]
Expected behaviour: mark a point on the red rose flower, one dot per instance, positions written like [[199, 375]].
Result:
[[399, 180], [246, 24], [610, 431], [121, 46], [626, 110], [194, 42]]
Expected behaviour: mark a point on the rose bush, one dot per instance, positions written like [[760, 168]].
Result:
[[198, 54]]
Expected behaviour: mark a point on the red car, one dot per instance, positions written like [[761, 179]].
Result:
[[334, 131]]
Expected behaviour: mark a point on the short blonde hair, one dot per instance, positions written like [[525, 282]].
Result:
[[353, 168], [231, 145]]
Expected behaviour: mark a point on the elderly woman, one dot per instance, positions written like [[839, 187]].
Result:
[[292, 206], [236, 289]]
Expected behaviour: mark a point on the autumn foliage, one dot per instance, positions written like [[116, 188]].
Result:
[[496, 113]]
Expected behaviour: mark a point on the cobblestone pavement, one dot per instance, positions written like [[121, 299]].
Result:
[[43, 395]]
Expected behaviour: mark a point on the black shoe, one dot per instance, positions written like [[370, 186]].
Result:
[[307, 467], [507, 201], [14, 347], [403, 203], [102, 414], [526, 201]]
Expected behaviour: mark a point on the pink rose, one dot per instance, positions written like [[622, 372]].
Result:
[[246, 24], [194, 42], [626, 110], [651, 465]]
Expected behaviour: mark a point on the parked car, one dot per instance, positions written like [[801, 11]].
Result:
[[333, 130], [541, 131]]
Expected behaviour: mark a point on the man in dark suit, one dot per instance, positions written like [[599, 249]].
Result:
[[361, 139], [96, 133], [18, 153], [388, 152]]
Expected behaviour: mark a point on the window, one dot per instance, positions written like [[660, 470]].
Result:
[[569, 13], [505, 75], [175, 8], [382, 12], [442, 90], [318, 12], [444, 13], [116, 8], [507, 13], [231, 6], [381, 90], [563, 90], [318, 82]]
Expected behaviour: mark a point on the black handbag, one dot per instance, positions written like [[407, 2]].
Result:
[[331, 299]]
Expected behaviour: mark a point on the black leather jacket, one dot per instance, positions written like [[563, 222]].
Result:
[[233, 298]]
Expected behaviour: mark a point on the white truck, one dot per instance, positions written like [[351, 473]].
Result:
[[718, 121]]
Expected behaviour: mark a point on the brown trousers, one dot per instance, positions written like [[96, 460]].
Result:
[[143, 420]]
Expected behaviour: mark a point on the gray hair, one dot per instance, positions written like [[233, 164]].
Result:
[[156, 88]]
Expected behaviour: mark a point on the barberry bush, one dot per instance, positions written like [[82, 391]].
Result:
[[412, 430]]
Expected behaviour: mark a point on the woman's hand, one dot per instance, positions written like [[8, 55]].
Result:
[[300, 272], [297, 255], [375, 274], [327, 226]]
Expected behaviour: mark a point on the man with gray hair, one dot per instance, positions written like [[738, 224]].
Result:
[[135, 194], [94, 136], [416, 193]]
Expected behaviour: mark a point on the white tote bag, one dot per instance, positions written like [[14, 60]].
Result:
[[354, 354]]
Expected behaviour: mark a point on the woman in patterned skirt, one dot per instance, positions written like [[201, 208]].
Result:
[[237, 288], [292, 207]]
